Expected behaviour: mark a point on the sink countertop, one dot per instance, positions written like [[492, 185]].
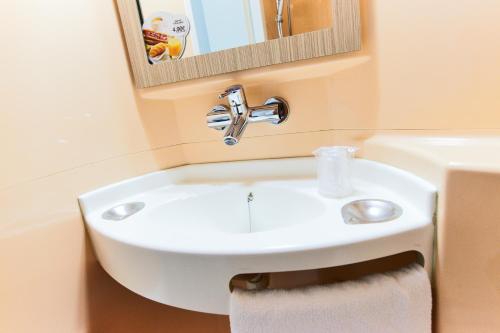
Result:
[[432, 156]]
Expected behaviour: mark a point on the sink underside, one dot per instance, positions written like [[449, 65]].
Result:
[[195, 232]]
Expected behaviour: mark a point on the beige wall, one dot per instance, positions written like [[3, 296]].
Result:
[[70, 121], [468, 261]]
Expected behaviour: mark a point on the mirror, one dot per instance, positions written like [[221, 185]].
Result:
[[175, 29], [175, 40]]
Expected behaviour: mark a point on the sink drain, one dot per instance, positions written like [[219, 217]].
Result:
[[250, 199]]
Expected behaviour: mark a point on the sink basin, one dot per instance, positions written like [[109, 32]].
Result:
[[233, 208], [180, 235]]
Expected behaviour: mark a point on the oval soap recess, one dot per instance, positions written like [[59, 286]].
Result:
[[370, 211], [123, 211]]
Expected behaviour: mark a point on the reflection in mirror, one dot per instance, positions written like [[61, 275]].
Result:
[[175, 29]]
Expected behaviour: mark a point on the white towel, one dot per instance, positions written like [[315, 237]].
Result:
[[396, 302]]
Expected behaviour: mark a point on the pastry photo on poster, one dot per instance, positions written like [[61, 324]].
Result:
[[165, 36]]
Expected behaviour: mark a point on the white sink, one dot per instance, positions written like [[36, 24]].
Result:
[[201, 225]]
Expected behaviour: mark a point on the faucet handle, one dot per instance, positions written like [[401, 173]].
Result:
[[219, 118], [230, 90]]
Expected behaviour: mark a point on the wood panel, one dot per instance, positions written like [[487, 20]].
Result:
[[344, 36]]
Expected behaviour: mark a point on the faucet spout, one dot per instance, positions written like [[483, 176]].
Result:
[[235, 131]]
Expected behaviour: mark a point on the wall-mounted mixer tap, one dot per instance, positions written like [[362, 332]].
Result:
[[235, 117]]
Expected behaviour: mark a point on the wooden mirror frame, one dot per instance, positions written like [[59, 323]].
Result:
[[344, 36]]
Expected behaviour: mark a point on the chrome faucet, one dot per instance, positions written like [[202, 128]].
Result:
[[235, 117]]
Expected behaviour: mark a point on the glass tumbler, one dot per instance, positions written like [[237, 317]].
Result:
[[334, 170]]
